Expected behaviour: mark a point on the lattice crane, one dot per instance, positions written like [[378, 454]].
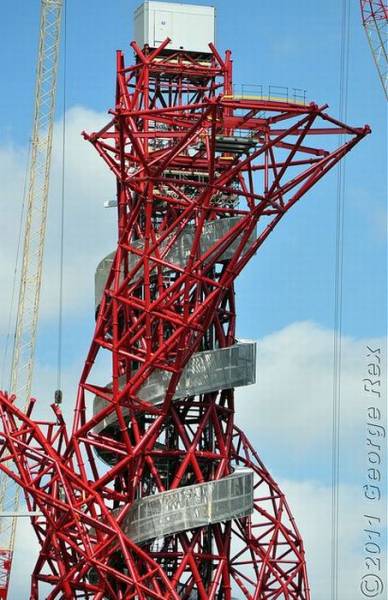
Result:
[[375, 21], [31, 269]]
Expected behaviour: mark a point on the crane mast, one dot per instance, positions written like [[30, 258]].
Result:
[[375, 21], [32, 259]]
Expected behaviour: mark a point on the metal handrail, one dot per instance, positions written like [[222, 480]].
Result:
[[269, 92]]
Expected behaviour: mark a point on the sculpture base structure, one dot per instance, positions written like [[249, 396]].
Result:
[[257, 566]]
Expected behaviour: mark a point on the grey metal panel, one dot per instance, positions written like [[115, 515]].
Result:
[[101, 276], [205, 372], [190, 507], [190, 27], [179, 253]]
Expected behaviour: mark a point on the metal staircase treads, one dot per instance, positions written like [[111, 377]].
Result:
[[189, 507], [207, 371]]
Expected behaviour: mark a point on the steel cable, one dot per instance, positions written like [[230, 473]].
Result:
[[62, 212], [338, 304]]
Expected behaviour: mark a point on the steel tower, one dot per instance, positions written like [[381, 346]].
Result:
[[156, 493]]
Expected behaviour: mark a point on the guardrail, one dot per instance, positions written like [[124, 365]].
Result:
[[190, 507], [270, 92]]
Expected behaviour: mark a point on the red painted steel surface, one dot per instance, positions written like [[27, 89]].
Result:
[[5, 571], [165, 144]]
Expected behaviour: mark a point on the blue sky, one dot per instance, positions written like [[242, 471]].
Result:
[[286, 294], [295, 45]]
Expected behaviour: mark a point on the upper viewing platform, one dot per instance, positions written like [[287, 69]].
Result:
[[189, 26]]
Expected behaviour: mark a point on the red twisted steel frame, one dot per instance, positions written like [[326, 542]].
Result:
[[162, 145]]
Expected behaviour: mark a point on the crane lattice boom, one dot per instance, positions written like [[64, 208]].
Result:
[[375, 21], [34, 239]]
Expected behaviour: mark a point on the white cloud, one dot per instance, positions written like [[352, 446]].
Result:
[[311, 504], [89, 228], [289, 409], [12, 169]]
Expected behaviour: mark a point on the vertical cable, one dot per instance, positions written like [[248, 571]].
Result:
[[338, 298], [62, 213]]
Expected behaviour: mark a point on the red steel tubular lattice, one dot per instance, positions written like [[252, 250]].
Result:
[[156, 493]]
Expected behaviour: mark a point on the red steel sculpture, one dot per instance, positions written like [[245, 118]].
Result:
[[155, 493]]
